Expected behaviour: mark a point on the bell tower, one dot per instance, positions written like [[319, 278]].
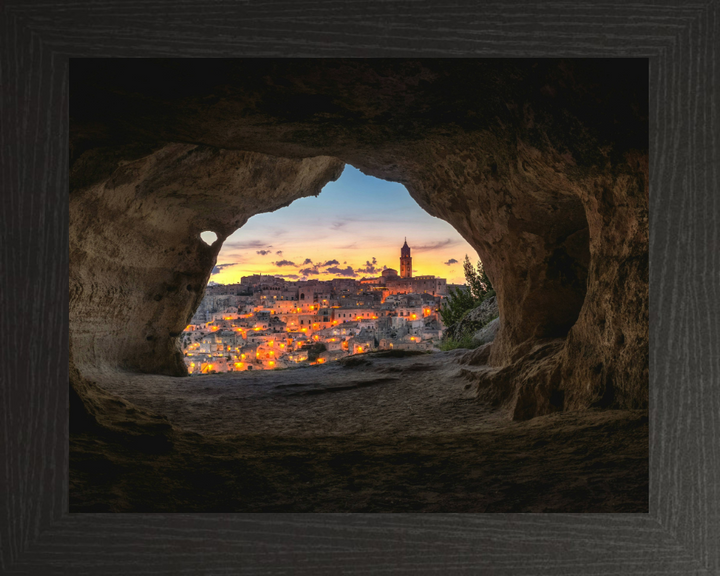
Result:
[[405, 261]]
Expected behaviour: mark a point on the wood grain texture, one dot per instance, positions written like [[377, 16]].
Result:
[[682, 531]]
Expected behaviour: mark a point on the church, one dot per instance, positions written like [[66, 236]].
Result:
[[405, 261], [405, 283]]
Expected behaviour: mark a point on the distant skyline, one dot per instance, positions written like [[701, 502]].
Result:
[[353, 229]]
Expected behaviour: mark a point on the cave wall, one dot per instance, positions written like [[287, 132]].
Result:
[[542, 166], [138, 267]]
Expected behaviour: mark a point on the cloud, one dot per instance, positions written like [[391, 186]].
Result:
[[294, 276], [246, 244], [281, 263], [341, 271], [311, 269], [330, 263], [218, 267], [307, 261], [435, 245], [369, 267], [338, 225], [263, 252], [279, 252], [450, 262]]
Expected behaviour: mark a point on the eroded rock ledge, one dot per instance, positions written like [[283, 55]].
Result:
[[541, 166]]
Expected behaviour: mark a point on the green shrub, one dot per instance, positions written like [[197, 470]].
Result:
[[466, 341], [456, 305], [461, 300], [315, 350]]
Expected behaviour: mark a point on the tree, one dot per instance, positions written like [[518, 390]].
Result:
[[454, 307], [461, 300], [477, 280], [315, 350]]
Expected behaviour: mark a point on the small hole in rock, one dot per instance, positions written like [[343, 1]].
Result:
[[208, 237]]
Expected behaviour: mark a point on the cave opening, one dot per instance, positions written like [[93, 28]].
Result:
[[548, 187], [324, 271], [209, 237]]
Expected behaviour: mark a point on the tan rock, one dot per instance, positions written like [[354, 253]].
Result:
[[542, 166]]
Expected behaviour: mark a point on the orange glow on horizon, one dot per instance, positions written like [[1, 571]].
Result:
[[375, 234]]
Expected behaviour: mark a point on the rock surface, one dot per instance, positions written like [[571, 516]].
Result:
[[138, 267], [388, 434], [475, 319], [488, 332], [542, 166]]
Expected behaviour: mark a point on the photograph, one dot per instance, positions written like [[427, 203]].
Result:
[[391, 287], [359, 285]]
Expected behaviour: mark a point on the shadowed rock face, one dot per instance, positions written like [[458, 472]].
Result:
[[138, 265], [541, 166]]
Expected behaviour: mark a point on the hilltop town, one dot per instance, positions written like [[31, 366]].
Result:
[[268, 323]]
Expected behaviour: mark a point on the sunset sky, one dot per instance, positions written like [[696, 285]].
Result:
[[354, 228]]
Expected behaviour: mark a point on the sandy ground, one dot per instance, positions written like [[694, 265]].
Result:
[[376, 435]]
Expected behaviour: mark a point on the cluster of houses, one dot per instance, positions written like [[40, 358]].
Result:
[[268, 332], [268, 323]]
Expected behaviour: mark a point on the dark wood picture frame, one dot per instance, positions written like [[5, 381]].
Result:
[[680, 535]]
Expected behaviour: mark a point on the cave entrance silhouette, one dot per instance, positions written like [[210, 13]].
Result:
[[541, 165]]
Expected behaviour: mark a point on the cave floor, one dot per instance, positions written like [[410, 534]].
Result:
[[383, 435]]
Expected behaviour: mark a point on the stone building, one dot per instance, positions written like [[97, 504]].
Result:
[[405, 261], [406, 284]]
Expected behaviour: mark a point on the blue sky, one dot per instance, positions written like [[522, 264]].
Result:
[[354, 228]]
